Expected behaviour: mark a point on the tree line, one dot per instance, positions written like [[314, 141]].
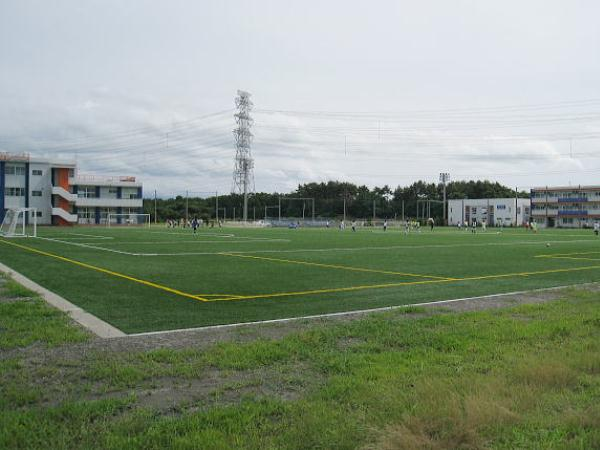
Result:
[[330, 199]]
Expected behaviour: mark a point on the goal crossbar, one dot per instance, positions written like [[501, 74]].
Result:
[[128, 219]]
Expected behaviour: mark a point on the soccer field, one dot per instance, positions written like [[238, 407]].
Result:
[[151, 279]]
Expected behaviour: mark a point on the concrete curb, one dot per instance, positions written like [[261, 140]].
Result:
[[85, 319]]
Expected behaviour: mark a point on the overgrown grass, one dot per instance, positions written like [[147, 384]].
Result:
[[26, 319], [525, 377]]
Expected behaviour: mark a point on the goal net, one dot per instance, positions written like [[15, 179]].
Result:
[[128, 219], [19, 222]]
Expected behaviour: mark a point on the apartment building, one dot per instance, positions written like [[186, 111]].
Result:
[[61, 195], [566, 206]]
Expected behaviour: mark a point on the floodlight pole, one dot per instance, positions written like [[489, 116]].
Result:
[[279, 208], [373, 211], [444, 178]]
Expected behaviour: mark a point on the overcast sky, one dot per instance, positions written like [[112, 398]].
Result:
[[373, 92]]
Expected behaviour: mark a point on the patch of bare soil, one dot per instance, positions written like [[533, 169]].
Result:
[[62, 373]]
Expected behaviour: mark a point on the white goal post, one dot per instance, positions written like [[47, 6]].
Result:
[[128, 219], [19, 222]]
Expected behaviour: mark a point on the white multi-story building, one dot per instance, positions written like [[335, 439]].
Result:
[[566, 206], [61, 195], [494, 211]]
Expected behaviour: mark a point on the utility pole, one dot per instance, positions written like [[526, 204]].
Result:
[[155, 208], [516, 206], [444, 178], [217, 206], [186, 207], [279, 208], [373, 211], [243, 173]]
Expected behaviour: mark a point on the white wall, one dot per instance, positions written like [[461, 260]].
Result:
[[41, 183], [503, 209]]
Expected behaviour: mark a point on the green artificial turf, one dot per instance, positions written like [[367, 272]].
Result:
[[210, 265]]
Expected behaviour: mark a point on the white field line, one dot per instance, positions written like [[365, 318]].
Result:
[[99, 238], [317, 250], [356, 312], [187, 233], [95, 247], [489, 232], [358, 249], [196, 241], [94, 324]]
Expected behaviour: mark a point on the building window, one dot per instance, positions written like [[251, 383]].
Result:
[[86, 192], [36, 172], [15, 192], [71, 173], [36, 193], [112, 191], [38, 214], [19, 170], [9, 170]]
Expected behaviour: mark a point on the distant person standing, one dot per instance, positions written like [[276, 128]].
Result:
[[474, 226], [195, 225], [597, 228], [483, 225], [385, 225], [354, 225], [431, 222]]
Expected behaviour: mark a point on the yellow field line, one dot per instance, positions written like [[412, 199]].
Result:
[[407, 283], [334, 266], [106, 271], [556, 255], [571, 257], [334, 290]]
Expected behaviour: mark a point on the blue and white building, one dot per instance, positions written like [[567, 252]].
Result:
[[61, 195], [566, 206]]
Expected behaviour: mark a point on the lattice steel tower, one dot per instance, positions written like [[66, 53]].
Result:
[[243, 172]]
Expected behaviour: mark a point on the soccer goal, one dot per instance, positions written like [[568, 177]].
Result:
[[128, 220], [19, 222]]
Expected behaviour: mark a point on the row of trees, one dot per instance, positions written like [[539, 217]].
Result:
[[330, 199]]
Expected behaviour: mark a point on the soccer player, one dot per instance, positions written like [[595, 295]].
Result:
[[385, 225], [474, 226], [483, 225], [431, 222], [195, 224], [597, 228], [354, 225]]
